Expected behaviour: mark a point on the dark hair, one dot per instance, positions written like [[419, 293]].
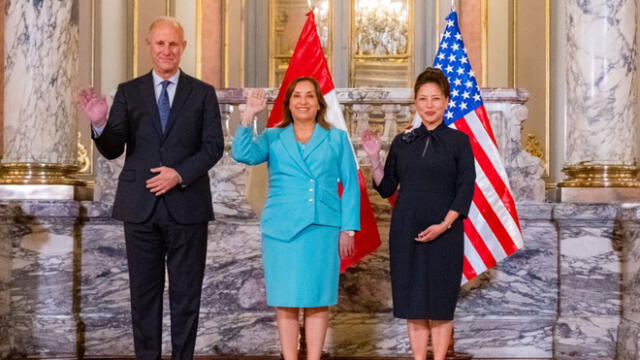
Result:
[[432, 75], [322, 112]]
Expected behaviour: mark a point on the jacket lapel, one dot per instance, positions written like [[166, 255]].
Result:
[[288, 139], [182, 94], [149, 97], [319, 134]]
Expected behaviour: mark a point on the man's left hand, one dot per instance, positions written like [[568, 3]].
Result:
[[166, 180]]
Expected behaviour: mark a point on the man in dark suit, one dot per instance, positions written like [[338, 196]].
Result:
[[170, 124]]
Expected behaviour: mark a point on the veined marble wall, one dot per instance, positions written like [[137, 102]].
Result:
[[591, 258], [629, 330], [64, 291]]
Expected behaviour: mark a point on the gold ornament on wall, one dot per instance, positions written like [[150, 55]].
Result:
[[532, 146], [83, 156]]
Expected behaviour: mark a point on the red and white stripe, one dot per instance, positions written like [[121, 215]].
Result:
[[492, 229]]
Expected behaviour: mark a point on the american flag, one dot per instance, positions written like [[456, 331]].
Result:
[[492, 230]]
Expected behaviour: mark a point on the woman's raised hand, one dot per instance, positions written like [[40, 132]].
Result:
[[371, 144], [256, 102]]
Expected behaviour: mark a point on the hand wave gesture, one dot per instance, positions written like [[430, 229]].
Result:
[[371, 143], [94, 106], [256, 102]]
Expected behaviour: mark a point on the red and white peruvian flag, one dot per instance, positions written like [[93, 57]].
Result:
[[492, 230], [308, 60]]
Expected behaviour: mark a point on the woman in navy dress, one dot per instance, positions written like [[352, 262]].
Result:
[[306, 226], [432, 168]]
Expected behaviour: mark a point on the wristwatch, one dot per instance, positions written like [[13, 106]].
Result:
[[350, 232]]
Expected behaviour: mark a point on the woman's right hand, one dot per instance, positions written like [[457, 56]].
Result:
[[371, 144], [256, 102]]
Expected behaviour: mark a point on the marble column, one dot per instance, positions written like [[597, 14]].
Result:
[[601, 76], [41, 65]]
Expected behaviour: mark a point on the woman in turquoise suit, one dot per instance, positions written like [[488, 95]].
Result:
[[306, 226]]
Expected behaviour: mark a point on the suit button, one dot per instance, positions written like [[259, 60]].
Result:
[[310, 200], [311, 180], [311, 190]]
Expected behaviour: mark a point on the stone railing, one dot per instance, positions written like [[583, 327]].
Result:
[[389, 111]]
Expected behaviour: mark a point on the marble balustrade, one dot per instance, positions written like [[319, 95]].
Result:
[[388, 111]]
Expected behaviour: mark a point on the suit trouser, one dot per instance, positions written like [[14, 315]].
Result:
[[184, 247]]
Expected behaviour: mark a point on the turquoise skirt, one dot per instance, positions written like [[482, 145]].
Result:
[[303, 272]]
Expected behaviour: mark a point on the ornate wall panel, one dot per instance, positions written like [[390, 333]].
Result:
[[286, 20], [381, 43]]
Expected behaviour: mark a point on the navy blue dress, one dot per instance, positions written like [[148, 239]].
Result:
[[435, 172]]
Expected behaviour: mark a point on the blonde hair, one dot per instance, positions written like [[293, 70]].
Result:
[[166, 20]]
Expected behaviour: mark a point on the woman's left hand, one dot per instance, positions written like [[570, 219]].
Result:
[[346, 245], [431, 233]]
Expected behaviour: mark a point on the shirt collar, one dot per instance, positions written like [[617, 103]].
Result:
[[157, 80]]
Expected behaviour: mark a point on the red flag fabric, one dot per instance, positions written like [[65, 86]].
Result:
[[308, 60]]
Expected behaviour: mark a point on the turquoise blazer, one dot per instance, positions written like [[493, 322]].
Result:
[[303, 189]]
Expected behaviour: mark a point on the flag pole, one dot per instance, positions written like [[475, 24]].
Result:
[[453, 5]]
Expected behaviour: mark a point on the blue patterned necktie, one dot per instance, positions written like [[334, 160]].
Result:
[[163, 105]]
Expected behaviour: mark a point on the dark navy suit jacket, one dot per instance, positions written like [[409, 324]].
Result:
[[192, 144]]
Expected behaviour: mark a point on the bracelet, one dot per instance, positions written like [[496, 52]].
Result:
[[446, 224]]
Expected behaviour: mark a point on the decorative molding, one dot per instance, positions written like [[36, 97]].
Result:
[[532, 146]]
